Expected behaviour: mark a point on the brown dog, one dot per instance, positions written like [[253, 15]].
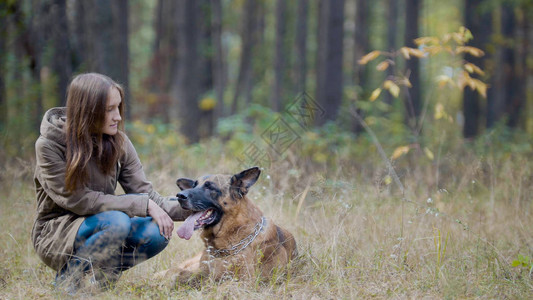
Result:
[[239, 240]]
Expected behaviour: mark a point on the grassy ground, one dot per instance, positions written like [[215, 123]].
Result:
[[453, 234]]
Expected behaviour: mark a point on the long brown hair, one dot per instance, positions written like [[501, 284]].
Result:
[[86, 109]]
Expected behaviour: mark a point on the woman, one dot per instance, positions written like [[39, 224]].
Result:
[[81, 226]]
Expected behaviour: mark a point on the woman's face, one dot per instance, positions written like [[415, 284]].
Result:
[[112, 112]]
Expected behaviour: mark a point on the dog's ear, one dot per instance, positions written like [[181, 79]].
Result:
[[185, 183], [240, 183]]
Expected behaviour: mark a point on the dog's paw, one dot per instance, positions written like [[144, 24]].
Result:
[[186, 278]]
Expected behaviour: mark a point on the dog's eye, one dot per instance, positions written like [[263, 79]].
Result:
[[210, 185]]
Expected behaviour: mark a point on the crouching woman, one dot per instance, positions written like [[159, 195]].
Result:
[[82, 228]]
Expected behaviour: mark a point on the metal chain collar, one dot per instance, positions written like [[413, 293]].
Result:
[[240, 245]]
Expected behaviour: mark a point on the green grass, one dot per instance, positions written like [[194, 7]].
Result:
[[358, 237]]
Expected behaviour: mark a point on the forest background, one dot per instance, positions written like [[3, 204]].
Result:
[[394, 135]]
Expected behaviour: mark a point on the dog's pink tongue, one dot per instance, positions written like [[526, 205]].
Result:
[[187, 228]]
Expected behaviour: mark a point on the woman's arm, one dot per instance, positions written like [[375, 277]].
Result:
[[133, 180], [51, 167]]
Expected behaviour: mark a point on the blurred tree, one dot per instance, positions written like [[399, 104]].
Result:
[[301, 46], [3, 70], [103, 39], [119, 56], [59, 35], [392, 32], [206, 50], [279, 56], [329, 82], [249, 36], [478, 21], [186, 86], [361, 43], [413, 100], [507, 95], [163, 63], [361, 48], [219, 58], [514, 62]]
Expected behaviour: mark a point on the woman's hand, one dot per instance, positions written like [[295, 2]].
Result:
[[161, 218]]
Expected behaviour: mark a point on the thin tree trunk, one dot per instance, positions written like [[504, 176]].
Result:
[[248, 41], [392, 32], [219, 74], [61, 64], [476, 21], [413, 101], [3, 71], [330, 54], [120, 56], [186, 86], [301, 46], [514, 66], [361, 43], [279, 58]]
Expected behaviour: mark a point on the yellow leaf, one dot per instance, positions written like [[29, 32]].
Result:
[[375, 94], [476, 52], [416, 52], [439, 111], [369, 57], [427, 40], [442, 80], [382, 66], [207, 103], [429, 154], [405, 52], [432, 50], [400, 151], [392, 87], [481, 87], [469, 68], [387, 180], [474, 69], [405, 82]]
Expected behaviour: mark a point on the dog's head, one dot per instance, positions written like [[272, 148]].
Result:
[[211, 196]]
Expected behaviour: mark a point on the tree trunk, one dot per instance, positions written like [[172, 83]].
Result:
[[392, 32], [186, 85], [329, 58], [219, 70], [279, 58], [3, 70], [120, 55], [98, 36], [301, 46], [361, 43], [249, 25], [205, 64], [413, 101], [515, 63], [476, 21], [61, 64]]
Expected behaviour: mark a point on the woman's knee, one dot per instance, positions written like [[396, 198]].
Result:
[[151, 239], [115, 221]]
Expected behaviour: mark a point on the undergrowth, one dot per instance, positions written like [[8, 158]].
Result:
[[455, 230]]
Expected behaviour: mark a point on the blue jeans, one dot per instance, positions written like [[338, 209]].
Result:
[[113, 240]]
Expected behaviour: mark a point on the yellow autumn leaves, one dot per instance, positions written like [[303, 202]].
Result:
[[451, 43]]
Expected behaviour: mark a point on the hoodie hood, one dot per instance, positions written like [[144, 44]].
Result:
[[53, 125]]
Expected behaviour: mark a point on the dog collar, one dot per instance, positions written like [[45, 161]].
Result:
[[240, 245]]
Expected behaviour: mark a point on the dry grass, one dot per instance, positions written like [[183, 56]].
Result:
[[358, 237]]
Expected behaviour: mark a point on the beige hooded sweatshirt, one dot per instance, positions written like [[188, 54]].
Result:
[[60, 213]]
